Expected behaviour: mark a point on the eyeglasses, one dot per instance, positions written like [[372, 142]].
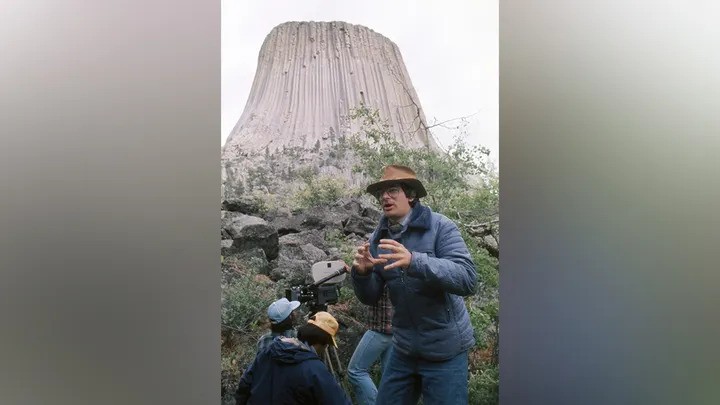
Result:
[[392, 192]]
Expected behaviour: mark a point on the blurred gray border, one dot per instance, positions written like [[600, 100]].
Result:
[[609, 187], [109, 171], [109, 189]]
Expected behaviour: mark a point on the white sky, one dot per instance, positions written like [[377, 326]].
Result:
[[450, 49]]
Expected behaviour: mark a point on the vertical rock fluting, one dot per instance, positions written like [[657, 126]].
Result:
[[309, 76]]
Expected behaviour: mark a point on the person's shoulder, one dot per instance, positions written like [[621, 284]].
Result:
[[442, 224], [439, 218], [264, 340]]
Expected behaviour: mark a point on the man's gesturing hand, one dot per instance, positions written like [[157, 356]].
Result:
[[400, 254], [364, 261]]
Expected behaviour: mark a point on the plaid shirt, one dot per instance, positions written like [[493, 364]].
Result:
[[380, 315]]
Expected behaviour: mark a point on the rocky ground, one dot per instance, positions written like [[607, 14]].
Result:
[[279, 248]]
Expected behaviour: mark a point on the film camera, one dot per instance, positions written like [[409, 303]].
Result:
[[325, 290]]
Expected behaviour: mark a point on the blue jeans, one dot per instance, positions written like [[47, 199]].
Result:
[[443, 382], [373, 346]]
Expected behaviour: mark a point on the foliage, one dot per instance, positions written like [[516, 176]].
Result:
[[318, 190], [446, 176], [486, 265], [244, 300], [337, 239], [483, 387], [258, 177], [485, 319]]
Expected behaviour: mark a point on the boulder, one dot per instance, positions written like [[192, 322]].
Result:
[[226, 247], [248, 232], [351, 205], [312, 237], [358, 225], [324, 217], [295, 262], [244, 205], [373, 213], [287, 224]]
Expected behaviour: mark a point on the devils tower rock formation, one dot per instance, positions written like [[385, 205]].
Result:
[[309, 77]]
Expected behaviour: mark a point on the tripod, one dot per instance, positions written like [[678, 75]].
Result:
[[330, 356], [321, 299]]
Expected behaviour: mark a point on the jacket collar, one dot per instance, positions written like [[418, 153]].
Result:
[[419, 219]]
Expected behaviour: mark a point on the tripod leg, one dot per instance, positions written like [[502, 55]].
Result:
[[337, 359], [328, 362]]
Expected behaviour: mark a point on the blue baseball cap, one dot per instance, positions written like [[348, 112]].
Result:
[[281, 309]]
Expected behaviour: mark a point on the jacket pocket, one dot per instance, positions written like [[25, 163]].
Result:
[[448, 310]]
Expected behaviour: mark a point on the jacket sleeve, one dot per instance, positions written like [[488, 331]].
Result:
[[368, 287], [326, 388], [242, 394], [452, 268]]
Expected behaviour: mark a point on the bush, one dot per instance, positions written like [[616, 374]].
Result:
[[244, 300], [319, 190], [446, 176], [483, 386], [337, 239], [244, 304]]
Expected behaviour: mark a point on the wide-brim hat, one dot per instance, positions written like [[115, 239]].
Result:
[[327, 323], [396, 174]]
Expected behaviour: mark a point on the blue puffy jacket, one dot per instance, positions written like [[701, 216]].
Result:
[[430, 320], [289, 372]]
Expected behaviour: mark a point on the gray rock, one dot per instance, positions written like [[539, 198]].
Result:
[[244, 205], [350, 205], [324, 217], [312, 253], [295, 262], [249, 232], [226, 247], [372, 213], [312, 237], [334, 254], [287, 224], [358, 225]]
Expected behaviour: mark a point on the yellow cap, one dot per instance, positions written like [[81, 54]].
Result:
[[326, 322]]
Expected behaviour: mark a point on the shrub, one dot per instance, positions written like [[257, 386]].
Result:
[[244, 303], [318, 190], [337, 239], [244, 300], [483, 386]]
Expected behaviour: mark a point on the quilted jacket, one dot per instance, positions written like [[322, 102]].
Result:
[[430, 319], [288, 372]]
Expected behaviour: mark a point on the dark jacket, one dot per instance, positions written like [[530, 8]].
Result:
[[288, 372], [430, 319], [268, 338]]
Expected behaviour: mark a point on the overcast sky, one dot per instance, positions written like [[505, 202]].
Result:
[[450, 49]]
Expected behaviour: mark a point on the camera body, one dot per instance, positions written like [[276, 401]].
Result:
[[325, 290], [321, 295]]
